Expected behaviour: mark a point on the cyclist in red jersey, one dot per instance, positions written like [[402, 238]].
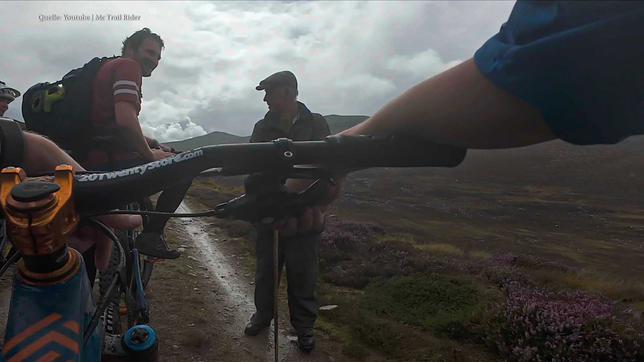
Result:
[[116, 103]]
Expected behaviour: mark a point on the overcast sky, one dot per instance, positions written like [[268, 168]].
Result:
[[349, 57]]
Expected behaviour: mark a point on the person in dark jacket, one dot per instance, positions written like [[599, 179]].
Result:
[[287, 118]]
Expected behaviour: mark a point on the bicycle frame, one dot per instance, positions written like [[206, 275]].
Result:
[[48, 321]]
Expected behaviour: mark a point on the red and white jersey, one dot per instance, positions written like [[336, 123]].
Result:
[[118, 80]]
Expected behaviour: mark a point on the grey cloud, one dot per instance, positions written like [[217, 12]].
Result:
[[174, 131], [236, 115], [349, 57]]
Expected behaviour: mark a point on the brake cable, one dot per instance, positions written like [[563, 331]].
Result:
[[11, 260], [211, 212], [220, 211]]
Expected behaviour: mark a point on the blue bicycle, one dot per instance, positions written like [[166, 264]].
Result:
[[122, 287]]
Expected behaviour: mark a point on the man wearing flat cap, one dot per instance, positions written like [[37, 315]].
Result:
[[7, 95], [287, 118]]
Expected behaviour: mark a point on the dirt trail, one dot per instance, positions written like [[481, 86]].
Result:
[[214, 296], [5, 295]]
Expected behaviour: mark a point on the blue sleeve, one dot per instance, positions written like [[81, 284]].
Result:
[[581, 64]]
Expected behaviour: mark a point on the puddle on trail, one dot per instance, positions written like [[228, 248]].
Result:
[[235, 289]]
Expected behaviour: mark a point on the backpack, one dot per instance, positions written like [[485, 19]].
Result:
[[62, 110]]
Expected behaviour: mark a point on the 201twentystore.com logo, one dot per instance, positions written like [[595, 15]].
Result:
[[140, 170]]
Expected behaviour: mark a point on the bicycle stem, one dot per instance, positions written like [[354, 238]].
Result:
[[40, 217]]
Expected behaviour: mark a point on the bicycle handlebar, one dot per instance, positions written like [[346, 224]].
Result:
[[108, 190]]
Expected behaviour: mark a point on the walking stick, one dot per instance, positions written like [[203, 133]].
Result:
[[276, 284]]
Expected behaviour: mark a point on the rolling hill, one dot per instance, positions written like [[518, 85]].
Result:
[[337, 123], [213, 138], [601, 169]]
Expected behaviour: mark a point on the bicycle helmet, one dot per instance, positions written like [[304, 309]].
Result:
[[8, 92]]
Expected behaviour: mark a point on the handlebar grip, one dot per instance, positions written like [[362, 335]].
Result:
[[395, 151]]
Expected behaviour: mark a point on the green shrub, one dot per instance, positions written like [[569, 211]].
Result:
[[378, 334], [446, 306]]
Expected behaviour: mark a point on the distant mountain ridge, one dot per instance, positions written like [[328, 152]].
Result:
[[618, 168], [610, 169], [337, 123], [212, 138]]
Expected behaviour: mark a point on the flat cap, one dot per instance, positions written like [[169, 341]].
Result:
[[284, 77]]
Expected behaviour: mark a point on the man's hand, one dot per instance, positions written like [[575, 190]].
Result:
[[167, 148], [127, 118], [152, 143], [86, 236], [161, 154], [312, 219]]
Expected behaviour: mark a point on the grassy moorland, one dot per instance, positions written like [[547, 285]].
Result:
[[526, 254]]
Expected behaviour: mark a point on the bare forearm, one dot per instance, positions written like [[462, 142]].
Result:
[[459, 107], [127, 118], [139, 142], [42, 155]]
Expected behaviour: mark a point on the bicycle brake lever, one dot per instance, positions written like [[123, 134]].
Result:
[[267, 207]]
